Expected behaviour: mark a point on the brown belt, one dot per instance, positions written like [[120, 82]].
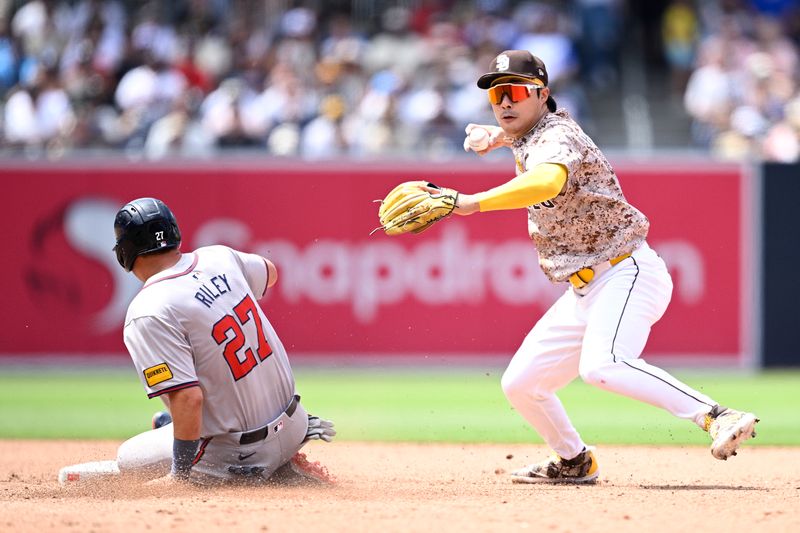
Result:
[[584, 276]]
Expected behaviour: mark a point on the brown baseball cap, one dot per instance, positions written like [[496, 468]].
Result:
[[517, 63]]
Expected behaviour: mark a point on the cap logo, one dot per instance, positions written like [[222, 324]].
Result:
[[502, 62], [541, 72]]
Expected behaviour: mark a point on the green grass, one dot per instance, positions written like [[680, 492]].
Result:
[[398, 404]]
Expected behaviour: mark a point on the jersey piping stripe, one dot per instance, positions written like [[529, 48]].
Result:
[[668, 383], [172, 276], [174, 388], [613, 356], [202, 450], [266, 284]]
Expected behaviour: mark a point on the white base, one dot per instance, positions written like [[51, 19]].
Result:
[[87, 471]]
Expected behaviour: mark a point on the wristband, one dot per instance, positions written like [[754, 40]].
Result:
[[183, 454]]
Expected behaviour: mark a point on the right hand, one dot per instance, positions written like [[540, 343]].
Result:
[[319, 429], [497, 137]]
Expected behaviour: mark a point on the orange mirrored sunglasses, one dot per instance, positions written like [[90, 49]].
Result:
[[516, 92]]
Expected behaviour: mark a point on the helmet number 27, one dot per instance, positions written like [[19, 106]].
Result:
[[242, 313]]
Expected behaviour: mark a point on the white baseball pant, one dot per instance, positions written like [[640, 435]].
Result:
[[598, 333]]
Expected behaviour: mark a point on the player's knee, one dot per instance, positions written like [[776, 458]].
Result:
[[511, 385], [593, 374], [517, 387]]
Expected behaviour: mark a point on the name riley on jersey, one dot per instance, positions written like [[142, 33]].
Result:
[[211, 290]]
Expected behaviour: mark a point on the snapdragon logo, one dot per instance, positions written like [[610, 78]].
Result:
[[450, 269], [379, 272]]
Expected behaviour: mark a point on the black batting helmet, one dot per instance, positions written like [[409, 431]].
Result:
[[143, 226]]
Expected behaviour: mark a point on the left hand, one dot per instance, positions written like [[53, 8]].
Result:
[[413, 206], [467, 204]]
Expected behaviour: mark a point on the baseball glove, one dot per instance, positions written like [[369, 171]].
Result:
[[413, 206]]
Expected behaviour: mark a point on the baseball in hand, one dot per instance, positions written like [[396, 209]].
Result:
[[478, 139]]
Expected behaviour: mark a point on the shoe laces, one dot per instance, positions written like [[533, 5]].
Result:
[[560, 462], [712, 415], [552, 459]]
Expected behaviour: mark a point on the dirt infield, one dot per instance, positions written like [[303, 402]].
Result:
[[408, 487]]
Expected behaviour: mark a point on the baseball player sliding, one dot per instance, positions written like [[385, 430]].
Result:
[[200, 342], [586, 233]]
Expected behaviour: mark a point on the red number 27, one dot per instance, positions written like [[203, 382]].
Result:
[[244, 311]]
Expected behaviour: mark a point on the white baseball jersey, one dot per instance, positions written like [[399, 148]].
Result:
[[590, 221], [199, 323]]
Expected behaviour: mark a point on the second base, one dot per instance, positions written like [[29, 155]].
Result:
[[87, 471]]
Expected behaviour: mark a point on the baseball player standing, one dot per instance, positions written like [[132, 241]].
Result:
[[586, 233], [201, 343]]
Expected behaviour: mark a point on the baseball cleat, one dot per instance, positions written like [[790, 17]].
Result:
[[728, 429], [556, 469], [160, 419]]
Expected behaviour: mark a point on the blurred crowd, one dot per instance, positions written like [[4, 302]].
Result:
[[324, 79], [738, 63], [315, 79]]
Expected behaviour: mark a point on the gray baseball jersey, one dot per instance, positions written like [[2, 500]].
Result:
[[198, 323], [590, 221]]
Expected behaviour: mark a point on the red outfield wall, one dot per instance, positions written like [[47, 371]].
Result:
[[467, 286]]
